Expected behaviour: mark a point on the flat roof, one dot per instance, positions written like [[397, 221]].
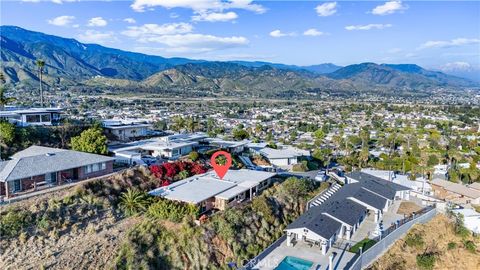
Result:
[[31, 111], [194, 190], [200, 187], [150, 144]]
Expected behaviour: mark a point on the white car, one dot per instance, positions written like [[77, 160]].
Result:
[[321, 176]]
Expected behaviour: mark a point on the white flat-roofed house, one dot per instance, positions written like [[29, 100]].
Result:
[[169, 147], [208, 191], [126, 129], [153, 147], [32, 116], [230, 146], [285, 156]]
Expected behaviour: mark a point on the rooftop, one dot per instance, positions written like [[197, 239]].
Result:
[[200, 187], [457, 188], [39, 160]]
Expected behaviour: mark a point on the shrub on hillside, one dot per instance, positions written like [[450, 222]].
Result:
[[414, 240], [426, 261], [13, 222], [171, 210], [133, 202]]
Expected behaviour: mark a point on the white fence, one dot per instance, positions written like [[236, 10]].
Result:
[[369, 256]]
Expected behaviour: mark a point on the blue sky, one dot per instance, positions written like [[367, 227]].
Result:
[[435, 34]]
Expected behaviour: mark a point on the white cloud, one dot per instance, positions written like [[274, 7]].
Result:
[[456, 66], [215, 16], [64, 20], [94, 36], [97, 22], [389, 8], [129, 20], [326, 9], [395, 50], [198, 5], [147, 31], [178, 37], [63, 1], [277, 33], [313, 32], [449, 43], [198, 42], [367, 27], [31, 1]]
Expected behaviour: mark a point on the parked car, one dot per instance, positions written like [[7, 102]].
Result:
[[321, 176]]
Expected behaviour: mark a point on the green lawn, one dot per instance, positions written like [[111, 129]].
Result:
[[365, 243]]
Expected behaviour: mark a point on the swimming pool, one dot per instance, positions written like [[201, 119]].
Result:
[[294, 263]]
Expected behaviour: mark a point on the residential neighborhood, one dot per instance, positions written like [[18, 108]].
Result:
[[240, 135]]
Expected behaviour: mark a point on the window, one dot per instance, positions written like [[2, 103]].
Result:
[[46, 118], [33, 118], [95, 167]]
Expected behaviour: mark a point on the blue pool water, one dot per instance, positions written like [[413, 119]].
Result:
[[294, 263]]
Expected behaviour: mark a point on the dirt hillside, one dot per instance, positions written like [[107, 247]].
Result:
[[436, 237]]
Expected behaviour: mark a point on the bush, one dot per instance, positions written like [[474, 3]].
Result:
[[414, 240], [426, 261], [365, 244], [193, 156], [170, 210], [262, 205], [300, 167], [470, 246], [451, 245], [13, 222]]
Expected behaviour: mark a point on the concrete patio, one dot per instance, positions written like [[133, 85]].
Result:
[[303, 251]]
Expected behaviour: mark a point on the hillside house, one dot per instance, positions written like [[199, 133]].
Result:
[[39, 167]]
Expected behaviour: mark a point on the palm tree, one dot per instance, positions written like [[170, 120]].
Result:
[[3, 99], [191, 124], [133, 202], [178, 123], [40, 64]]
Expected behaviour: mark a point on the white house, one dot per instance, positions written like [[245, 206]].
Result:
[[283, 156], [32, 116], [126, 129], [340, 214], [208, 191]]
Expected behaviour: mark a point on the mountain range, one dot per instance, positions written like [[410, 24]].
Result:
[[72, 63]]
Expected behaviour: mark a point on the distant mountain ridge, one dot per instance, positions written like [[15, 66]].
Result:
[[72, 63]]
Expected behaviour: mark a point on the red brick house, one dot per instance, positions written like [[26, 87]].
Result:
[[39, 166]]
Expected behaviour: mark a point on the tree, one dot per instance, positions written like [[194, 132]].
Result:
[[40, 64], [178, 123], [91, 140], [160, 125], [240, 134], [319, 134], [7, 135], [3, 99], [191, 124], [133, 202]]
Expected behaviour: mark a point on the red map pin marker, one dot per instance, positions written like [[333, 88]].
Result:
[[221, 170]]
